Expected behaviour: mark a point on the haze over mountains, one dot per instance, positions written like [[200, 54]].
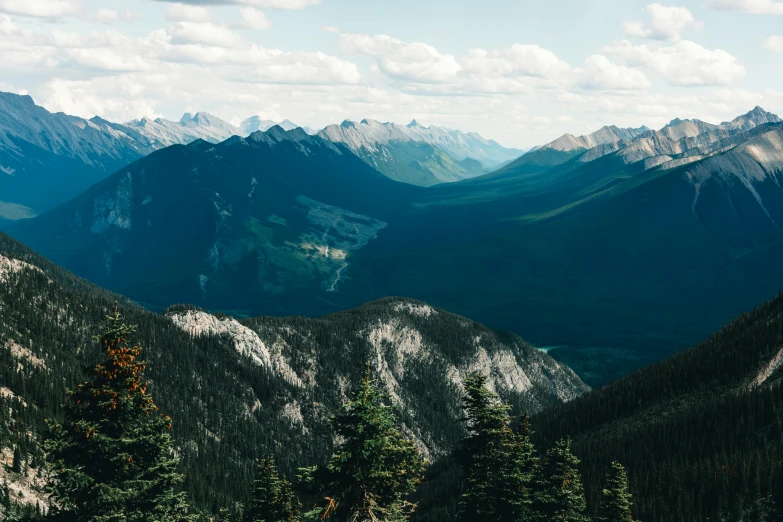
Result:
[[646, 241], [46, 159]]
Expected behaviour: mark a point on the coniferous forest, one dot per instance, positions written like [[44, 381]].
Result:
[[98, 426]]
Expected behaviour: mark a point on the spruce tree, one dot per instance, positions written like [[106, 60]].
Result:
[[16, 464], [498, 464], [616, 498], [374, 467], [112, 460], [559, 495], [273, 497]]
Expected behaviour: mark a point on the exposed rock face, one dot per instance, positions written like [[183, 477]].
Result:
[[409, 345]]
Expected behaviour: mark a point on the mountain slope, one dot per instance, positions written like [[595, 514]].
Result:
[[419, 155], [201, 126], [566, 147], [48, 158], [280, 214], [699, 433], [238, 390]]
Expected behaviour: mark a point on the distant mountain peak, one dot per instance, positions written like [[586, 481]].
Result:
[[186, 118], [414, 123]]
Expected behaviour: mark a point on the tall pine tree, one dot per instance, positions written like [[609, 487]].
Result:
[[375, 467], [112, 460], [273, 497], [559, 493], [616, 498], [498, 464]]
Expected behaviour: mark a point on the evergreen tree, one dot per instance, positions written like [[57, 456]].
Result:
[[616, 498], [375, 467], [497, 463], [112, 459], [16, 465], [559, 493], [273, 498]]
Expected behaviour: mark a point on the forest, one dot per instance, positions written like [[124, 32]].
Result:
[[695, 437]]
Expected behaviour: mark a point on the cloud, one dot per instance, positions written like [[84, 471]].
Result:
[[188, 13], [204, 33], [42, 8], [666, 23], [517, 60], [602, 73], [110, 16], [255, 19], [260, 4], [416, 62], [685, 64], [774, 44], [748, 6]]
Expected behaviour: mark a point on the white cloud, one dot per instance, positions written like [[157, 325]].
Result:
[[42, 8], [774, 44], [110, 16], [666, 23], [685, 63], [204, 33], [260, 4], [416, 62], [516, 61], [255, 19], [188, 13], [748, 6], [602, 73]]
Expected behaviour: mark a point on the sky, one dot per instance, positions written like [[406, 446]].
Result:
[[522, 72]]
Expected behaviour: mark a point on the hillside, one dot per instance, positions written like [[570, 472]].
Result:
[[280, 214], [45, 158], [699, 432], [240, 389]]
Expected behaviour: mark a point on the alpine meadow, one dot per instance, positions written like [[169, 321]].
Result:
[[391, 261]]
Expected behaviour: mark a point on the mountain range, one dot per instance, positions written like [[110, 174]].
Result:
[[609, 248], [46, 159]]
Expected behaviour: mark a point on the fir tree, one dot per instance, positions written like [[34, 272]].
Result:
[[375, 467], [112, 459], [16, 465], [497, 463], [616, 498], [273, 498], [559, 493]]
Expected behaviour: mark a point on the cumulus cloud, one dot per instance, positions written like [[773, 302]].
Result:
[[254, 19], [205, 33], [516, 60], [519, 68], [42, 8], [260, 4], [188, 13], [417, 62], [748, 6], [684, 64], [774, 44], [602, 73], [666, 23], [110, 16]]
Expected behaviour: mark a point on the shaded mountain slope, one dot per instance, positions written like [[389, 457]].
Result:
[[279, 214], [242, 389], [699, 433]]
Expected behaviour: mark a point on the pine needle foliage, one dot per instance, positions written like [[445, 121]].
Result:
[[559, 493], [498, 464], [273, 498], [112, 459], [375, 467], [616, 501]]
